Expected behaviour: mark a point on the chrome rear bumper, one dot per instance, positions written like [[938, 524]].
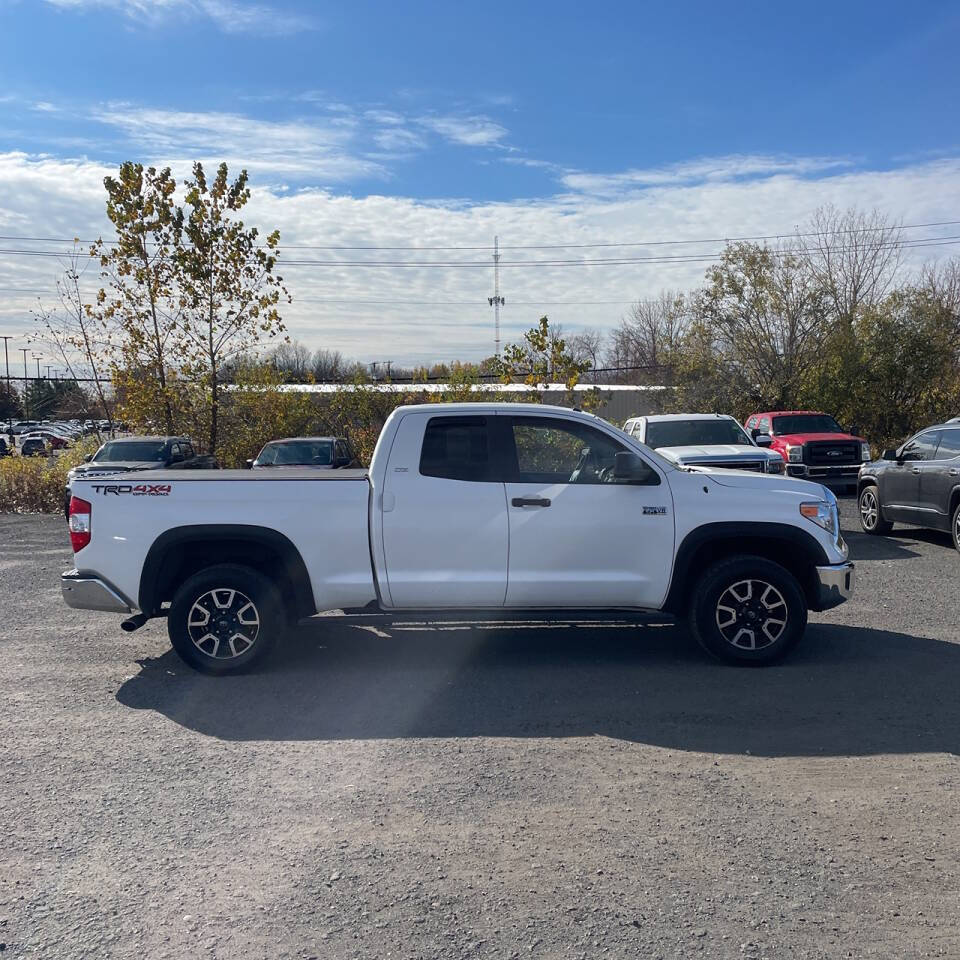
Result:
[[836, 584], [86, 591]]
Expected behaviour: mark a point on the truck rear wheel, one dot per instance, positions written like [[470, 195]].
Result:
[[225, 618], [748, 610]]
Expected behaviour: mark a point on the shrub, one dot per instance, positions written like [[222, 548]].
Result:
[[35, 485]]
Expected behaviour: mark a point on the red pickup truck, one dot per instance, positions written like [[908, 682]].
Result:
[[813, 445]]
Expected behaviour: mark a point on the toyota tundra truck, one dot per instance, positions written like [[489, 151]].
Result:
[[472, 508]]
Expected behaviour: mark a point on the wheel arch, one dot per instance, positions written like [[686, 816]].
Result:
[[180, 552], [792, 548]]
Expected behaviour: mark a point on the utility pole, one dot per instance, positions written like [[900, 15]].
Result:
[[6, 357], [26, 374], [496, 301]]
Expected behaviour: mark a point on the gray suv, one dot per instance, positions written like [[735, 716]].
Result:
[[919, 483]]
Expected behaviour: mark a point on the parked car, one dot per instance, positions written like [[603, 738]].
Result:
[[325, 453], [33, 446], [53, 440], [705, 440], [24, 426], [813, 445], [466, 507], [918, 483], [129, 454], [4, 449]]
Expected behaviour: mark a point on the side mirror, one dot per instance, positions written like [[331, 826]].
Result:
[[631, 468], [341, 461], [890, 455], [88, 458], [854, 430], [248, 464], [762, 439]]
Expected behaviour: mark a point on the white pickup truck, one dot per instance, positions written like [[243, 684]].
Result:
[[483, 508]]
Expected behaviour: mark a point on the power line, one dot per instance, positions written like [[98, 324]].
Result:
[[552, 246], [583, 262]]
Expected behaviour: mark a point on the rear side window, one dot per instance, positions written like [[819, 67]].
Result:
[[458, 448], [949, 445]]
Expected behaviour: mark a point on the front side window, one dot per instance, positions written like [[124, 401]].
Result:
[[556, 451], [304, 453], [457, 448], [923, 447]]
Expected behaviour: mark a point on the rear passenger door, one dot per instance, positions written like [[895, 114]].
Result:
[[444, 515]]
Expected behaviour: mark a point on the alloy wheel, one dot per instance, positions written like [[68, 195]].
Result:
[[223, 623], [869, 509], [751, 614]]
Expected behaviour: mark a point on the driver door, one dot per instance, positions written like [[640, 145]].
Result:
[[578, 539], [900, 482]]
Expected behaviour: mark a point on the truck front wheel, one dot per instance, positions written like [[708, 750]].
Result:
[[225, 618], [747, 610]]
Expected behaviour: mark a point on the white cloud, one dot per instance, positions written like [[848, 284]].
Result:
[[469, 131], [231, 16], [704, 170], [424, 313], [324, 151]]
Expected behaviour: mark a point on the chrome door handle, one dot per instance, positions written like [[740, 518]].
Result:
[[954, 472], [916, 470], [530, 502]]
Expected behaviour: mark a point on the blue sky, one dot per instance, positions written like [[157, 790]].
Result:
[[606, 121]]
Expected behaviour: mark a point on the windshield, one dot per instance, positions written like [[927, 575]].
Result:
[[314, 453], [143, 450], [687, 433], [805, 423]]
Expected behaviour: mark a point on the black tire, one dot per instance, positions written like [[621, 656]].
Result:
[[244, 618], [871, 512], [955, 526], [762, 603]]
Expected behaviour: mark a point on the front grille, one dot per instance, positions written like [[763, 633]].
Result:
[[759, 466], [831, 453]]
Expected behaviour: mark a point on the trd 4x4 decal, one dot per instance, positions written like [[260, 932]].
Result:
[[134, 489]]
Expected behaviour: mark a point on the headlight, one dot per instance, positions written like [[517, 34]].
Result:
[[795, 454], [775, 465], [864, 451], [823, 514]]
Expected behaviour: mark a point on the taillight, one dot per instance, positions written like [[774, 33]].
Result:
[[80, 512]]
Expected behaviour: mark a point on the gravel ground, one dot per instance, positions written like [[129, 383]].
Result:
[[483, 791]]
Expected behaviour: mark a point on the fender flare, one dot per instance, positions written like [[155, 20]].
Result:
[[292, 565], [802, 545]]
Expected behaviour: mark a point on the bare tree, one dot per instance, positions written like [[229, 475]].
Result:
[[587, 347], [292, 360], [941, 280], [854, 255], [648, 336], [330, 366], [79, 338]]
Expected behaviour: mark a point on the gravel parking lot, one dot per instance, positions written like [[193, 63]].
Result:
[[489, 790]]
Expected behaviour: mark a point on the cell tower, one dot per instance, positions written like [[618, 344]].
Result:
[[496, 301]]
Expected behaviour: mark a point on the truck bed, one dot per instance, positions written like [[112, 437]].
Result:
[[323, 513]]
